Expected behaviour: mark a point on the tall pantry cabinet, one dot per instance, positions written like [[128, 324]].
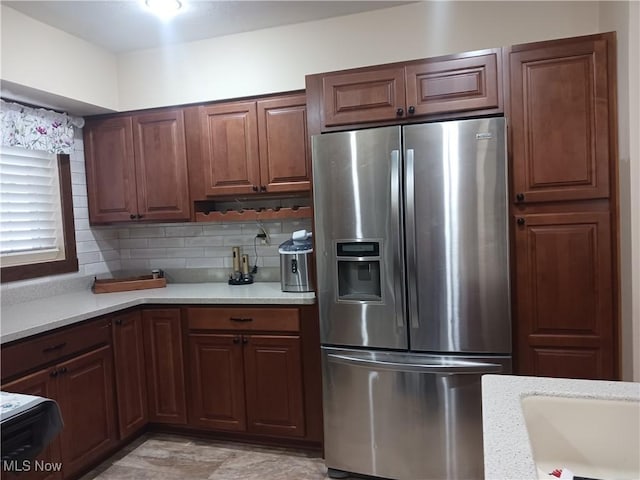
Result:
[[563, 155]]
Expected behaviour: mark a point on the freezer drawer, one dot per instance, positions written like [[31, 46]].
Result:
[[405, 416]]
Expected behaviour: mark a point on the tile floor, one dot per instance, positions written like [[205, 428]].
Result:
[[169, 457]]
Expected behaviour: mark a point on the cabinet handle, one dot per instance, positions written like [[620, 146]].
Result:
[[263, 188], [245, 340], [412, 110], [63, 370], [54, 373], [132, 216], [238, 319], [520, 221], [254, 188], [140, 216], [54, 347], [118, 322], [399, 112], [236, 339], [520, 197]]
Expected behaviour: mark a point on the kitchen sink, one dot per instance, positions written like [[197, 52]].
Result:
[[595, 438]]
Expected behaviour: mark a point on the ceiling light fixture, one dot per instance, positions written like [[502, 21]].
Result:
[[164, 8]]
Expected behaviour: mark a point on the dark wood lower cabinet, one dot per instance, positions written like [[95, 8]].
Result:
[[165, 364], [566, 320], [130, 377], [86, 398], [247, 383], [40, 384], [216, 382], [273, 383]]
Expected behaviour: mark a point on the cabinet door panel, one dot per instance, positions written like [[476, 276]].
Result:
[[230, 148], [560, 121], [161, 166], [85, 389], [40, 384], [111, 175], [369, 96], [131, 388], [217, 387], [284, 144], [165, 364], [273, 379], [459, 84], [564, 296]]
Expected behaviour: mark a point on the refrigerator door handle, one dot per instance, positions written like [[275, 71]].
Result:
[[451, 368], [411, 238], [398, 264]]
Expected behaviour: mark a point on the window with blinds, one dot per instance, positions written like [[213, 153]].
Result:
[[31, 228]]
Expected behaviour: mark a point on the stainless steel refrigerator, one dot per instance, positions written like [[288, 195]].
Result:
[[413, 294]]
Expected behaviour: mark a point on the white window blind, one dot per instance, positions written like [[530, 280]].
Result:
[[30, 209]]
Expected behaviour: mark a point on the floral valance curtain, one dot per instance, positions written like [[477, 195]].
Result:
[[37, 128]]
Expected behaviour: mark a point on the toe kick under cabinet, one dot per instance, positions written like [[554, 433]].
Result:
[[245, 372]]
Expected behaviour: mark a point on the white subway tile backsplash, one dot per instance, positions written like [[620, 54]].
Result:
[[134, 242], [166, 242], [146, 232], [205, 263], [78, 179], [167, 263], [204, 241], [80, 212], [184, 252], [184, 231], [148, 252]]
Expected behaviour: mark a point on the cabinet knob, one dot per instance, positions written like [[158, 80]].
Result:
[[54, 373], [245, 339], [132, 216], [140, 216], [412, 110], [263, 188], [399, 112], [520, 221], [254, 188], [520, 197], [118, 322], [236, 339]]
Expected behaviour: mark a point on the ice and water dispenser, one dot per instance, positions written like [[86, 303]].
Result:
[[358, 271]]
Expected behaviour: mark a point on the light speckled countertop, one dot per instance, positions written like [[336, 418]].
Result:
[[29, 318], [507, 451]]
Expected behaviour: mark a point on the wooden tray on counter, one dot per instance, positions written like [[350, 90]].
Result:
[[125, 284]]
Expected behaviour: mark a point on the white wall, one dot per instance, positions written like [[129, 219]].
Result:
[[39, 58], [624, 18], [277, 59]]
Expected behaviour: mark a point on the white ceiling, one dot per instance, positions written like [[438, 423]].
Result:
[[125, 25]]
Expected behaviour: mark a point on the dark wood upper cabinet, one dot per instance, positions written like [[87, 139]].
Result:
[[566, 320], [230, 148], [368, 95], [251, 147], [285, 156], [111, 173], [130, 377], [165, 365], [560, 112], [463, 83], [137, 168], [441, 87], [161, 166]]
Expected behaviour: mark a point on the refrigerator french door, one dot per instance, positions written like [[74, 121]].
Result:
[[413, 294]]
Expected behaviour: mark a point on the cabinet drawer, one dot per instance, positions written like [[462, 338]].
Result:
[[31, 353], [273, 319]]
